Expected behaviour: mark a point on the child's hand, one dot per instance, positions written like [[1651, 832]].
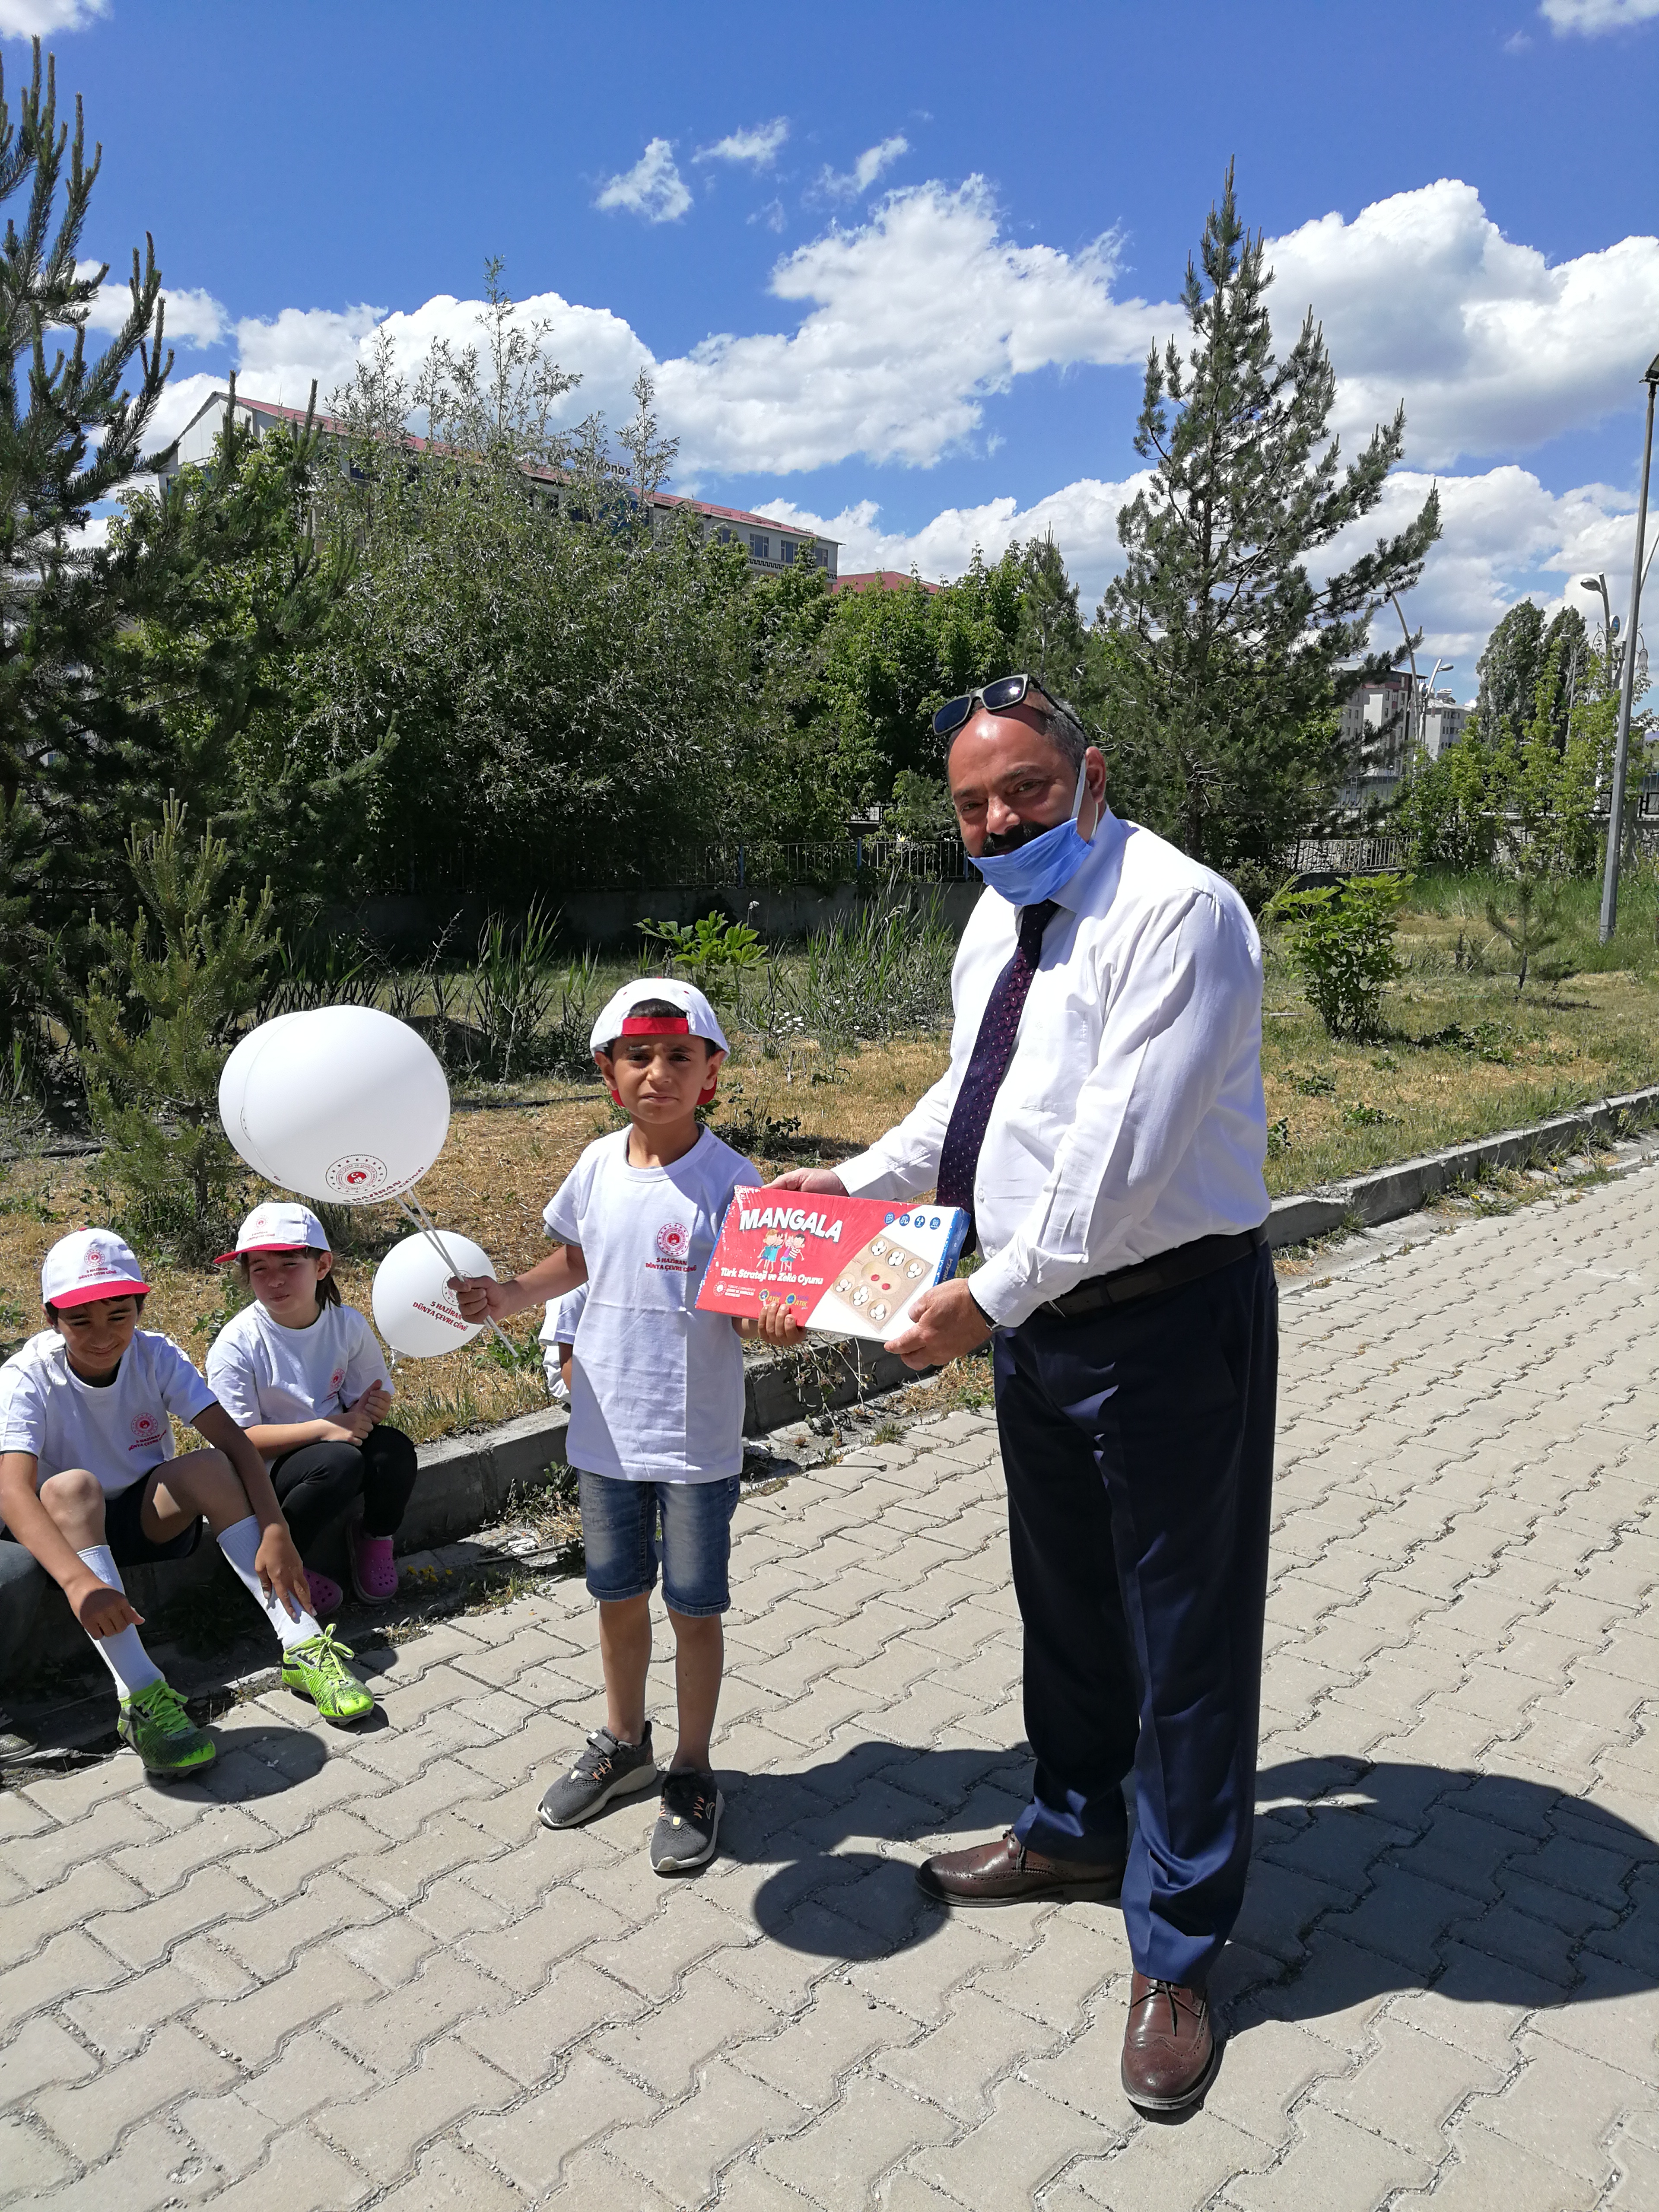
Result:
[[281, 1575], [376, 1400], [480, 1298], [776, 1325], [102, 1611]]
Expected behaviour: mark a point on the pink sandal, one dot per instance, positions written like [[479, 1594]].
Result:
[[327, 1596], [374, 1571]]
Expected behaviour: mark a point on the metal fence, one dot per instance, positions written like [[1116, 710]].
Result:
[[1347, 856]]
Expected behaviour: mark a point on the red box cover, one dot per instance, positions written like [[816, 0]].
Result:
[[852, 1266]]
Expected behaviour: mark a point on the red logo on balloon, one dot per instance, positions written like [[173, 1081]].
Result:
[[358, 1176]]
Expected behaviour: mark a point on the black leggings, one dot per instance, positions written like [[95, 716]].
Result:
[[316, 1484]]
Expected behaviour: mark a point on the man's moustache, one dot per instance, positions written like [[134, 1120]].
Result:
[[1010, 841]]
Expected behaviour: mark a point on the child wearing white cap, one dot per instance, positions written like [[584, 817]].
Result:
[[303, 1374], [90, 1483], [656, 1401]]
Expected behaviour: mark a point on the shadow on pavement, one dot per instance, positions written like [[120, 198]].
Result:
[[1366, 1882], [859, 1904]]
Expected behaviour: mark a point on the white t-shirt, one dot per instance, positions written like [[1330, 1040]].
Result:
[[560, 1328], [261, 1371], [657, 1387], [117, 1431]]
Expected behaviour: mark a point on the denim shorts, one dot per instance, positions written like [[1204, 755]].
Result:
[[628, 1526]]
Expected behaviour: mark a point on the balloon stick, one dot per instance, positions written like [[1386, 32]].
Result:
[[428, 1229]]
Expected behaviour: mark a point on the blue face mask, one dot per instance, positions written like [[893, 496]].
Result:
[[1038, 869]]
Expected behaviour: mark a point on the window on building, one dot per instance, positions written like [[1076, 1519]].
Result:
[[722, 536], [760, 545], [821, 555]]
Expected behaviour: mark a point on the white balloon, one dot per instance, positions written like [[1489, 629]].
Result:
[[341, 1103], [233, 1089], [415, 1308]]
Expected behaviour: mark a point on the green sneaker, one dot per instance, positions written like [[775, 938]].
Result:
[[154, 1722], [317, 1670]]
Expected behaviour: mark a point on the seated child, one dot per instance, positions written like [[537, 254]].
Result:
[[656, 1401], [303, 1374], [559, 1335], [89, 1483]]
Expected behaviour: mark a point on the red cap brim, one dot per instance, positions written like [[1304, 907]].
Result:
[[122, 1287]]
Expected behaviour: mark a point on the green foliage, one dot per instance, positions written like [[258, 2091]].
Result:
[[1217, 656], [70, 435], [514, 990], [714, 953], [881, 972], [1343, 946], [158, 1023], [922, 806]]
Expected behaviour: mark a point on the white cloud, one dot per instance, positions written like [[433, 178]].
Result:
[[38, 19], [653, 188], [758, 146], [870, 165], [915, 319], [1493, 349], [1505, 538], [771, 215], [194, 317], [276, 360], [1592, 16]]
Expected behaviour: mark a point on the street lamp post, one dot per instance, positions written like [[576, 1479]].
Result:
[[1628, 684]]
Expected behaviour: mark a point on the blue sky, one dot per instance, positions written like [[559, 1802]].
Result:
[[895, 268]]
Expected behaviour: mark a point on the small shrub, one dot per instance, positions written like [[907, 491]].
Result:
[[1316, 1085], [1279, 1136], [713, 953], [1361, 1116], [1343, 947]]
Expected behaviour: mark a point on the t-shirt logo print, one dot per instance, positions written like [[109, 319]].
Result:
[[146, 1430], [674, 1241]]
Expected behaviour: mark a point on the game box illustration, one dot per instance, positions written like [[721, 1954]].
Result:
[[852, 1265]]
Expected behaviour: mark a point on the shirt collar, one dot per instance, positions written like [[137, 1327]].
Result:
[[1086, 889]]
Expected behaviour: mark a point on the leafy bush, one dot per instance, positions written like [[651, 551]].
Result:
[[158, 1023], [881, 972], [713, 953], [1343, 947]]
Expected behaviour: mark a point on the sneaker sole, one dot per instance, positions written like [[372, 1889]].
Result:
[[671, 1867], [625, 1785], [167, 1773]]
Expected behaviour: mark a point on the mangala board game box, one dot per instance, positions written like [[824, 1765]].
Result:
[[849, 1265]]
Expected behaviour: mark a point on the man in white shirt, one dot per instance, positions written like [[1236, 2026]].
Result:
[[1102, 1119]]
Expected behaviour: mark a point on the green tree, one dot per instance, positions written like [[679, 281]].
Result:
[[1343, 945], [158, 1023], [1222, 658], [70, 433], [1508, 670]]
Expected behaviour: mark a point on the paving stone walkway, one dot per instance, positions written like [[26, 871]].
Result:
[[351, 1969]]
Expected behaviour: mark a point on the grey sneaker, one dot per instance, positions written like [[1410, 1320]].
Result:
[[688, 1823], [605, 1770]]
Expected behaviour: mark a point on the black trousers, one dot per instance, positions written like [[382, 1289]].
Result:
[[1138, 1447], [318, 1483]]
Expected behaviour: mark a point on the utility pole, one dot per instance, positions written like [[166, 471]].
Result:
[[1628, 684]]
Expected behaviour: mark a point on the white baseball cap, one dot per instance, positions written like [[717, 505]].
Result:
[[91, 1263], [617, 1019], [280, 1226]]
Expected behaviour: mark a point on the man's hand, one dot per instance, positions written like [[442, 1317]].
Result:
[[775, 1326], [281, 1576], [102, 1611], [823, 1179], [945, 1323]]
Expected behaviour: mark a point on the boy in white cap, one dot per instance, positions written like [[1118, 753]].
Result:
[[303, 1374], [656, 1401], [90, 1483]]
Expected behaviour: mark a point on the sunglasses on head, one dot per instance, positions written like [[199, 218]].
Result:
[[995, 698]]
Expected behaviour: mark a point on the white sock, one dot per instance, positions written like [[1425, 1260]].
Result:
[[123, 1654], [241, 1546]]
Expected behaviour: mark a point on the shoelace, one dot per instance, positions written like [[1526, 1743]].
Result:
[[330, 1653], [166, 1708]]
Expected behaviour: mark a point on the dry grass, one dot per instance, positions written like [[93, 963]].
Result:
[[1338, 1109]]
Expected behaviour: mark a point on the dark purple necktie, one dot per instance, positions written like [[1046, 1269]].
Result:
[[994, 1047]]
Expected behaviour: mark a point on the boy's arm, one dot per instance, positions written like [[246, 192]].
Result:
[[276, 1562], [481, 1297], [100, 1610]]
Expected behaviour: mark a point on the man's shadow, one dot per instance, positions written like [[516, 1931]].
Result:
[[1366, 1880]]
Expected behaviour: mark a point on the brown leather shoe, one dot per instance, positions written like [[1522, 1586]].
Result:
[[1005, 1873], [1170, 2055]]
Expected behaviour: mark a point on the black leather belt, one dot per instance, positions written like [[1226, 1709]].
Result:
[[1185, 1264]]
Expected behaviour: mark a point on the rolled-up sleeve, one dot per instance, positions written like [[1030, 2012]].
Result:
[[1188, 993]]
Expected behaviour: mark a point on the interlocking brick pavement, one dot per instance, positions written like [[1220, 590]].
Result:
[[351, 1970]]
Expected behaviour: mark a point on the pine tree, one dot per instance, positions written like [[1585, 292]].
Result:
[[70, 433], [158, 1023], [1222, 660]]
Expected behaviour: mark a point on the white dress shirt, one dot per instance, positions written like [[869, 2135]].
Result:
[[1131, 1119]]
